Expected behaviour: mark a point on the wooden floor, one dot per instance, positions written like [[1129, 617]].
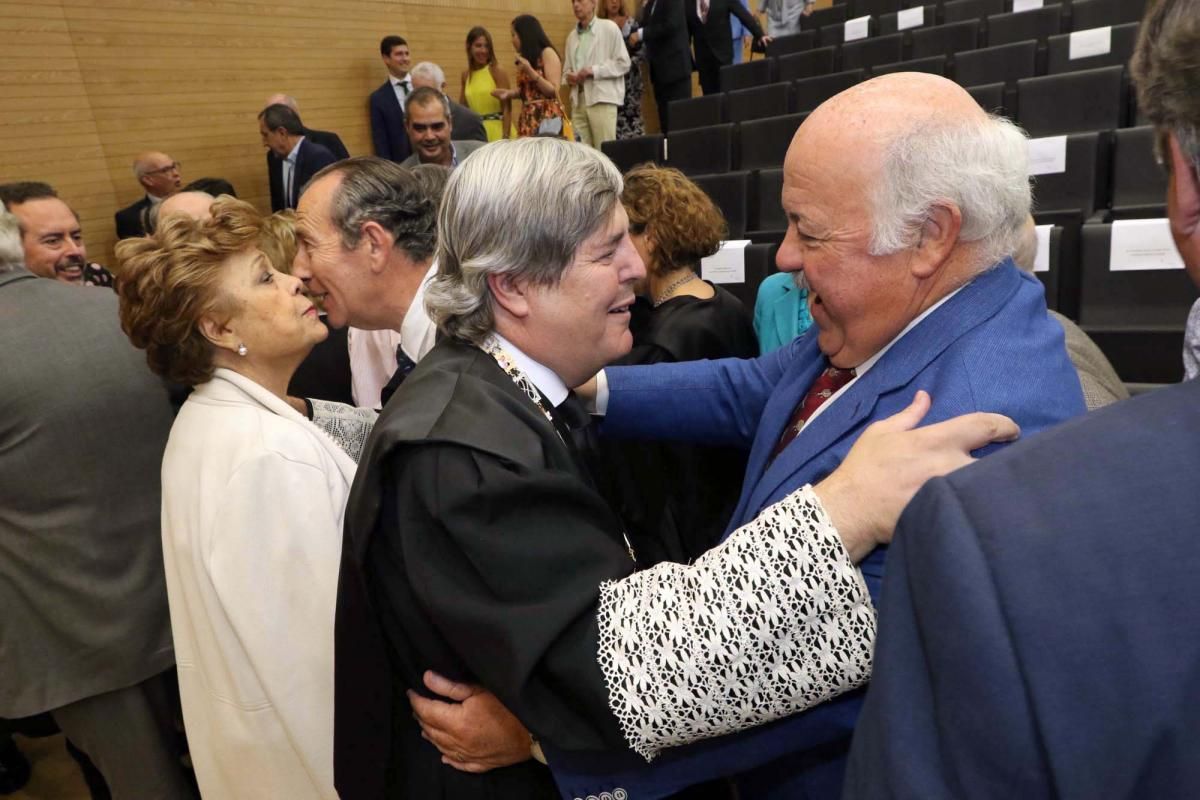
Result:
[[56, 776]]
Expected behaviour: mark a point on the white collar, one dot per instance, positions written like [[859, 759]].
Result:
[[154, 200], [291, 157], [547, 382], [406, 80], [418, 334]]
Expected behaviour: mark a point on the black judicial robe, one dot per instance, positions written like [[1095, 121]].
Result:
[[676, 499], [474, 546]]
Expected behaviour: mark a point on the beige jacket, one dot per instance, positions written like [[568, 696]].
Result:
[[608, 59]]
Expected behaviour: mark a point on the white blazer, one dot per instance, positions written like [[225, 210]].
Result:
[[253, 500]]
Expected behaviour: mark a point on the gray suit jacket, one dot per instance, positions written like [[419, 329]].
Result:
[[466, 124], [1100, 383], [83, 424], [461, 151]]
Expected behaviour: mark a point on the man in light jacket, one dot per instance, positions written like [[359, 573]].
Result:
[[595, 63]]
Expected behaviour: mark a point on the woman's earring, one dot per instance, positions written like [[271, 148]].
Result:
[[241, 351]]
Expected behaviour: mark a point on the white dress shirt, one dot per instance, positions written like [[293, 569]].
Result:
[[289, 175], [402, 87], [545, 379]]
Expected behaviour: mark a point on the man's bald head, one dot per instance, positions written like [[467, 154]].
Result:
[[283, 100], [158, 173], [196, 205]]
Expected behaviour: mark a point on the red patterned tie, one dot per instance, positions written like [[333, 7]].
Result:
[[823, 388]]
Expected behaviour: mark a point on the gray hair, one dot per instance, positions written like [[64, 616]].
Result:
[[380, 191], [519, 207], [12, 252], [1166, 71], [429, 71], [424, 96], [980, 167]]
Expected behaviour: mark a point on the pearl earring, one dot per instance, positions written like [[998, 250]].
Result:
[[241, 351]]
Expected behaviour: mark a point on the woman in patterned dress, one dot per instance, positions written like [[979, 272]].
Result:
[[629, 116], [539, 72], [480, 80]]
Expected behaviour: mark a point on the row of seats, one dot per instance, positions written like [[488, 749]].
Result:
[[951, 49], [1096, 99], [1082, 13]]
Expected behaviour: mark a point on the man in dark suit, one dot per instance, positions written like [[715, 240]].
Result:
[[665, 34], [712, 37], [1037, 626], [467, 125], [327, 139], [387, 102], [283, 135], [159, 176]]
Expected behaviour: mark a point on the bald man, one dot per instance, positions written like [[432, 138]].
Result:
[[160, 178], [903, 231], [189, 204]]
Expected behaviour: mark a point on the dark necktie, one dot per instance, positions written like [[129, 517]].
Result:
[[404, 365], [823, 388]]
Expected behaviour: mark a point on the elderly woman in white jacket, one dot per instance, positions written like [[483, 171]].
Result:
[[253, 499]]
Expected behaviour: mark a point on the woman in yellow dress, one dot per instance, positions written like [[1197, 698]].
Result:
[[480, 80]]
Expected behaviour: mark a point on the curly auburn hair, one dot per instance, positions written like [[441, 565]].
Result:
[[277, 240], [675, 213], [169, 281]]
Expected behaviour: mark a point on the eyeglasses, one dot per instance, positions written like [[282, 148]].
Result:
[[172, 167]]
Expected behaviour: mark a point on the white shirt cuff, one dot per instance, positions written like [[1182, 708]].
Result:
[[600, 407]]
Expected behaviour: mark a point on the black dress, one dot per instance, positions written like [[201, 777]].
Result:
[[676, 499]]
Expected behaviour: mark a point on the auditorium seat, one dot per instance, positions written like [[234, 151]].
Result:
[[1006, 63], [763, 143], [760, 262], [944, 40], [890, 23], [1080, 192], [1058, 58], [1098, 13], [1037, 23], [628, 153], [768, 100], [743, 76], [767, 222], [819, 61], [869, 52], [960, 10], [696, 112], [730, 191], [808, 93], [1089, 100], [835, 34], [821, 17], [991, 97], [1050, 276], [1139, 182], [934, 65], [792, 43], [702, 150], [1137, 317], [873, 8]]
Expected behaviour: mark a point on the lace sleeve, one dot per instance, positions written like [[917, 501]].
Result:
[[346, 425], [773, 621]]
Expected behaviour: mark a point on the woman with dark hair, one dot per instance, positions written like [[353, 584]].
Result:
[[480, 80], [539, 73], [629, 116], [676, 499]]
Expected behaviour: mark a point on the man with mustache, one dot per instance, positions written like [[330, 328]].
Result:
[[51, 235]]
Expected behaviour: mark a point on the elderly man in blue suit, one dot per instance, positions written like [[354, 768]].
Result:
[[902, 230], [1038, 622]]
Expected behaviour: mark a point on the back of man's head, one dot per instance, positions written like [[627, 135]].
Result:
[[428, 74], [12, 254], [14, 194], [280, 116], [377, 190], [283, 99], [1166, 70]]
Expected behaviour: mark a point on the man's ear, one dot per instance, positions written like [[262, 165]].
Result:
[[939, 235], [218, 333], [511, 294], [378, 242]]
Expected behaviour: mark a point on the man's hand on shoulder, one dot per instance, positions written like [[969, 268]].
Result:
[[471, 728], [892, 460]]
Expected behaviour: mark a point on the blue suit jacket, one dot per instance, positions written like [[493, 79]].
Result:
[[991, 347], [1038, 624], [388, 134]]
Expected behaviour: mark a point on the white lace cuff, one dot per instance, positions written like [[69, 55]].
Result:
[[346, 425], [774, 620]]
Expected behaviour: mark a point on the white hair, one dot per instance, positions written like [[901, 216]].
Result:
[[979, 167], [12, 252], [429, 71]]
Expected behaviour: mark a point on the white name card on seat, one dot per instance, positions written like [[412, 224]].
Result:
[[727, 265], [910, 18], [1048, 155], [1092, 42], [1041, 261], [1142, 244], [1026, 5], [858, 28]]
